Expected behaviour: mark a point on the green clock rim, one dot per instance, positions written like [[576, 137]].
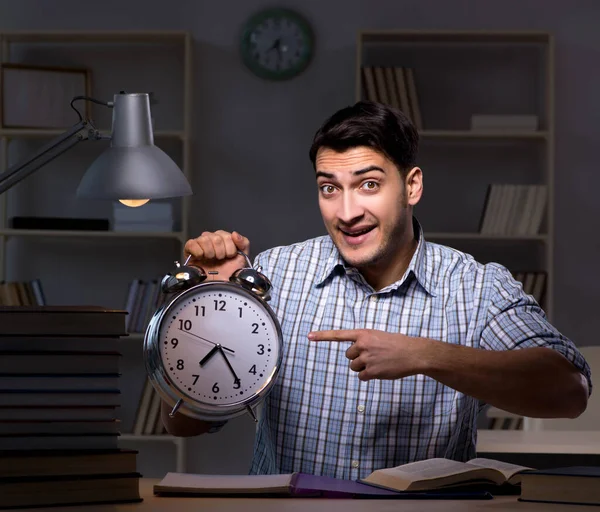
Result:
[[258, 18]]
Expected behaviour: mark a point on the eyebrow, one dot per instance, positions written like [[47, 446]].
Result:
[[359, 172]]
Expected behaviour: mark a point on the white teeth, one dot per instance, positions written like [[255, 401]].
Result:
[[357, 233]]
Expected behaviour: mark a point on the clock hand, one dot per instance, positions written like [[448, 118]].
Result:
[[275, 45], [212, 342], [235, 377], [211, 353]]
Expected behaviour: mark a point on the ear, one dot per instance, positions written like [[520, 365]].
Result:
[[414, 186]]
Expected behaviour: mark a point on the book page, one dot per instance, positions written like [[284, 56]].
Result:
[[181, 482], [507, 469], [428, 469]]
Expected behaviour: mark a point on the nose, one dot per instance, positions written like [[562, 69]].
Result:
[[350, 209]]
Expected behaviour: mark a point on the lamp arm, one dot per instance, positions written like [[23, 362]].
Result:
[[47, 153]]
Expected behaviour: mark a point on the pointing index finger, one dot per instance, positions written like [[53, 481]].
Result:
[[334, 335]]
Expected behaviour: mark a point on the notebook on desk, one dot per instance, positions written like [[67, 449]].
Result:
[[294, 485]]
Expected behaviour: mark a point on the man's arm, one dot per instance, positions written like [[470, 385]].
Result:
[[181, 425], [535, 381]]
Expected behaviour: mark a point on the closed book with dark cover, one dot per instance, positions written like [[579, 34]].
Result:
[[60, 223], [578, 485], [61, 321]]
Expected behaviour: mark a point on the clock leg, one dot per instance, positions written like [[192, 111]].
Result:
[[251, 413]]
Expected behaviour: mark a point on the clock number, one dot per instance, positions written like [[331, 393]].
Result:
[[261, 350], [240, 312], [200, 308], [195, 379], [185, 325], [174, 342], [255, 329], [180, 364], [215, 388], [220, 305], [236, 384], [253, 370]]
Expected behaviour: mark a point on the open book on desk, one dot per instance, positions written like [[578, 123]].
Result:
[[299, 485], [439, 473]]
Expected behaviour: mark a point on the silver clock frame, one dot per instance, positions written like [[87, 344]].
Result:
[[171, 394]]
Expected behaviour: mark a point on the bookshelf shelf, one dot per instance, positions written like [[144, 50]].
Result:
[[471, 134], [178, 442], [91, 234], [480, 236], [135, 336], [452, 36]]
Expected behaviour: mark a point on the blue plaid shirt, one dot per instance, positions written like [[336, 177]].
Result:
[[321, 419]]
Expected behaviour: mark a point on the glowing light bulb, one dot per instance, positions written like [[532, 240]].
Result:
[[133, 203]]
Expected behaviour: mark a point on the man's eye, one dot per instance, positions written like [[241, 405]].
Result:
[[328, 189], [370, 185]]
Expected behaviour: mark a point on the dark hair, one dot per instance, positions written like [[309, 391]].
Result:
[[366, 123]]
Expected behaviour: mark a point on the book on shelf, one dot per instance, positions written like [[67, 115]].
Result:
[[59, 223], [143, 298], [297, 485], [504, 122], [154, 216], [511, 209], [148, 419], [394, 86], [577, 485], [440, 473], [22, 293], [534, 283]]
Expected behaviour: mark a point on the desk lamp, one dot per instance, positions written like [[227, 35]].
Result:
[[132, 170]]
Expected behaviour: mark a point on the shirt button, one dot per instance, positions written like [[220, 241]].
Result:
[[373, 298], [361, 408], [355, 464]]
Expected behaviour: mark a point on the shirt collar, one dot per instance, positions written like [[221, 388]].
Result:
[[420, 267]]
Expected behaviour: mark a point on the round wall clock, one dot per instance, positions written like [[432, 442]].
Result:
[[277, 44]]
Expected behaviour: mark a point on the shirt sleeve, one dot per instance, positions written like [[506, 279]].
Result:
[[515, 320]]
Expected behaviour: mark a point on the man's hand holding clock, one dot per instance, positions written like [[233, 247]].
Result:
[[218, 252]]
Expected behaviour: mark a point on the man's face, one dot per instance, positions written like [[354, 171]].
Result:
[[364, 204]]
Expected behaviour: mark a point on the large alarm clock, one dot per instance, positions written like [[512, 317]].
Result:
[[213, 349]]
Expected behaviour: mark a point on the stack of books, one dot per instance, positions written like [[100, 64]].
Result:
[[59, 404]]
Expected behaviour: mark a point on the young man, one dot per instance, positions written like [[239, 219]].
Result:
[[391, 342]]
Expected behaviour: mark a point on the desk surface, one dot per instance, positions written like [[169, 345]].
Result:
[[540, 441], [155, 504]]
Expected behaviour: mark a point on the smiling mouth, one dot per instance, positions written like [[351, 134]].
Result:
[[356, 233]]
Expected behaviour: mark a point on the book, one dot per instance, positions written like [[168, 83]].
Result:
[[440, 473], [297, 485], [61, 490], [61, 321], [571, 485], [22, 463]]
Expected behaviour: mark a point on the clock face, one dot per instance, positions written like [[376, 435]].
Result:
[[219, 345], [277, 44]]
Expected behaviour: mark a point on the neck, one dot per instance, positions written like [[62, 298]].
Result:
[[391, 268]]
